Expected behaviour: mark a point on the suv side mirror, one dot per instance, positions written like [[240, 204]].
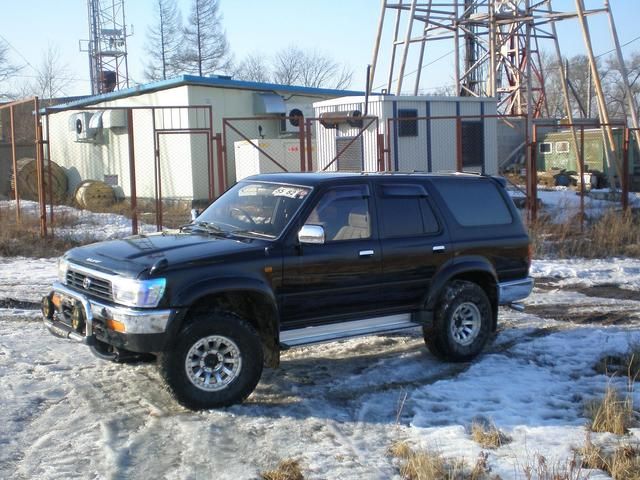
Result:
[[313, 234]]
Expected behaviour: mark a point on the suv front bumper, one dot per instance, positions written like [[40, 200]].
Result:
[[70, 314], [515, 290]]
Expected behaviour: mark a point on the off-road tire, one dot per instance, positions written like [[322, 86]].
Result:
[[240, 337], [448, 339]]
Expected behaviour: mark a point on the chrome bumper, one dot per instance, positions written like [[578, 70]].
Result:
[[515, 290], [134, 321]]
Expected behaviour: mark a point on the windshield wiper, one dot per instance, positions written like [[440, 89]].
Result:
[[206, 227], [251, 232]]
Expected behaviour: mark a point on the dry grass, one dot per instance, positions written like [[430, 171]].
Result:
[[23, 239], [622, 464], [488, 436], [427, 465], [610, 414], [540, 469], [626, 364], [614, 233], [286, 470]]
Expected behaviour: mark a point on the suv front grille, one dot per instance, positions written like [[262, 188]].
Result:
[[94, 286]]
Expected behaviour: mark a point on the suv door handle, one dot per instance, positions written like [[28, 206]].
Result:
[[366, 253], [439, 248]]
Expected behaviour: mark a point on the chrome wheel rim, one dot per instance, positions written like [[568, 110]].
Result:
[[465, 323], [213, 362]]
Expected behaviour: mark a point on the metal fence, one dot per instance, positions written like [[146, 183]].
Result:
[[154, 164], [600, 160], [151, 164], [23, 180]]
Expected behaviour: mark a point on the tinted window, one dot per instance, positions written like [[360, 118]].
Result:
[[343, 212], [405, 211], [474, 203], [407, 128]]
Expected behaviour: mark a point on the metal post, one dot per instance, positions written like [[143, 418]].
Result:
[[423, 45], [309, 147], [132, 173], [394, 48], [604, 114], [459, 164], [581, 169], [48, 144], [376, 46], [532, 178], [220, 155], [40, 171], [407, 43], [301, 142], [631, 99], [15, 164], [625, 171]]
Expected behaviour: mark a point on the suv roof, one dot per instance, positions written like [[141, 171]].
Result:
[[317, 178]]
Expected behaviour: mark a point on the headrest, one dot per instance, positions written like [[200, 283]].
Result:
[[359, 220]]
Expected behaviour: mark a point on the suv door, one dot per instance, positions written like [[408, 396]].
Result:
[[339, 278], [415, 243]]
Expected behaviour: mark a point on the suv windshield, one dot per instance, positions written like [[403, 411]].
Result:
[[253, 209]]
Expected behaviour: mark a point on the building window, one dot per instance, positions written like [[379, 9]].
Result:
[[409, 127], [562, 147], [472, 144], [545, 147]]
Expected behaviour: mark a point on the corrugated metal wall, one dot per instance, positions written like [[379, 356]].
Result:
[[326, 137]]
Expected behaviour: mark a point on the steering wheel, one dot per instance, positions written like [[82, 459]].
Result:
[[243, 214]]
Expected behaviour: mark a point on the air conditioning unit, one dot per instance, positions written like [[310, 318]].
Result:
[[291, 122], [84, 130]]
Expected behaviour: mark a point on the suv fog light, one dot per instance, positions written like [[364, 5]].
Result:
[[77, 318], [116, 326], [47, 307]]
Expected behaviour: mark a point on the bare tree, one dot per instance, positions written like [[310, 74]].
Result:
[[286, 66], [615, 91], [254, 68], [7, 69], [52, 75], [206, 47], [163, 42], [578, 74], [294, 66]]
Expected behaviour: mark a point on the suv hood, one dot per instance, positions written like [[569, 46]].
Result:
[[133, 256]]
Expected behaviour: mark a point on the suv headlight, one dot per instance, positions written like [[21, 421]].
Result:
[[63, 266], [138, 293]]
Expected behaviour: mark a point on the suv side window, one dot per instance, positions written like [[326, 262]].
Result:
[[474, 203], [344, 213], [405, 211]]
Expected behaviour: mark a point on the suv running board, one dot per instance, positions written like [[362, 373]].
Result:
[[336, 331]]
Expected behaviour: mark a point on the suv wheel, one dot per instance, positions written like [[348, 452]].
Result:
[[461, 324], [215, 362]]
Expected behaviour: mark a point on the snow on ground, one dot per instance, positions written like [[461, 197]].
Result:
[[335, 407], [82, 225]]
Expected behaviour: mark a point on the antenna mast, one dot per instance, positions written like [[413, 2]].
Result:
[[107, 46]]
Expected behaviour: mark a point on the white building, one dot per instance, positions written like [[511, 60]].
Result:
[[89, 137], [422, 142]]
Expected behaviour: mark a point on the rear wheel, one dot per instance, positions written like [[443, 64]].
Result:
[[461, 324], [216, 361]]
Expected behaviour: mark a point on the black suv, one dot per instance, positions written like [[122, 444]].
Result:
[[282, 260]]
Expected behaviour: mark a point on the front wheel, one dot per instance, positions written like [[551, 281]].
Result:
[[461, 324], [216, 362]]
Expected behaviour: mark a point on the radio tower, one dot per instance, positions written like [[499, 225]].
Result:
[[495, 45], [107, 46]]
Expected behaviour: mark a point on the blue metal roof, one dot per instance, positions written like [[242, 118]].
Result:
[[214, 81]]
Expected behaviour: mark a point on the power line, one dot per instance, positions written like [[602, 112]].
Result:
[[17, 51]]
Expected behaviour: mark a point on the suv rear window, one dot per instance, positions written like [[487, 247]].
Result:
[[404, 211], [474, 203]]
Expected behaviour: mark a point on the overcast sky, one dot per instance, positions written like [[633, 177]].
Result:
[[342, 29]]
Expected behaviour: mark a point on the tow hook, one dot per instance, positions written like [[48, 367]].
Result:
[[518, 307]]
